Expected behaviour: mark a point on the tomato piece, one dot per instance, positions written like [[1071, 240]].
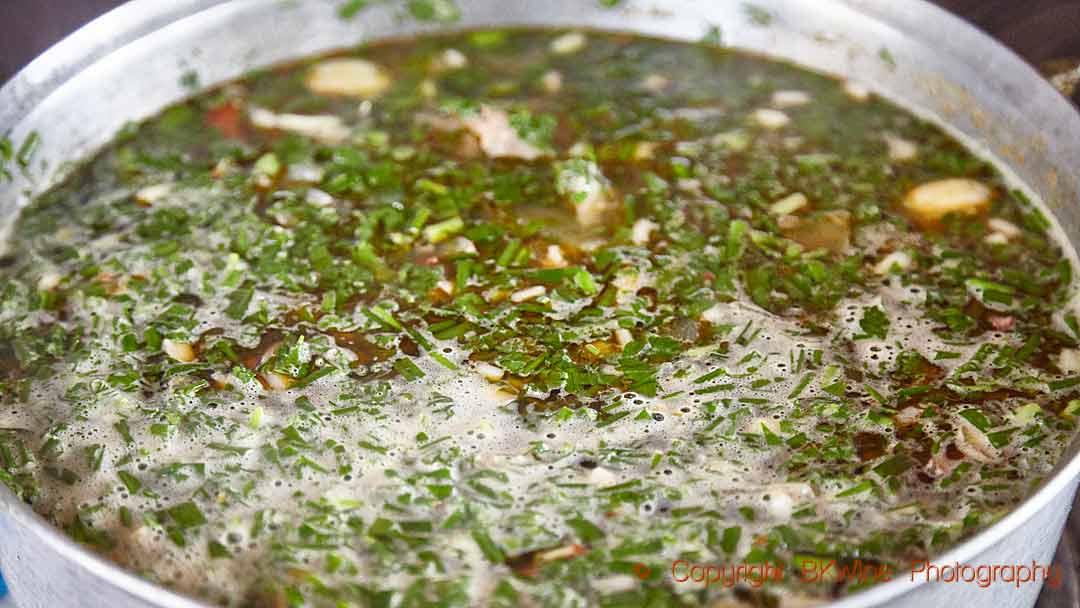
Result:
[[226, 119]]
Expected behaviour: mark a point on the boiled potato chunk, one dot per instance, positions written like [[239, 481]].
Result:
[[770, 119], [568, 43], [930, 202], [348, 77], [178, 351]]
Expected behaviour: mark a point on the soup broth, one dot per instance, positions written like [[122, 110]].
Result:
[[531, 318]]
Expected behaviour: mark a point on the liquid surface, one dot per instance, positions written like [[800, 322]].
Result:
[[521, 318]]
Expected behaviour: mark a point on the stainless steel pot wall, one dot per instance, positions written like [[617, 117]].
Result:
[[128, 65]]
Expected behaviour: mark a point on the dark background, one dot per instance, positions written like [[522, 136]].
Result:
[[1040, 30]]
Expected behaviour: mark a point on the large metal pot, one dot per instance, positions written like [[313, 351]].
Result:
[[128, 64]]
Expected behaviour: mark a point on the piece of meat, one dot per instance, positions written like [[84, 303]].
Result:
[[498, 138]]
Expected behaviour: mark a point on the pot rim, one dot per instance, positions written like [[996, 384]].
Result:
[[140, 18]]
